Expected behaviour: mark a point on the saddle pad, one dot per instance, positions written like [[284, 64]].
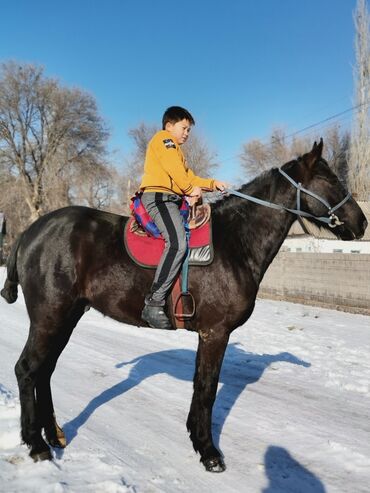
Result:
[[147, 250]]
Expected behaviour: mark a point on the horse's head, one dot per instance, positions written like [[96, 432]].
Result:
[[315, 175]]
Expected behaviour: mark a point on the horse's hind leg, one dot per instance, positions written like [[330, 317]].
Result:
[[27, 369], [45, 408], [210, 355], [34, 369], [53, 432]]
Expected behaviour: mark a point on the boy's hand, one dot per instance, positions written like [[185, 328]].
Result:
[[195, 195], [221, 185]]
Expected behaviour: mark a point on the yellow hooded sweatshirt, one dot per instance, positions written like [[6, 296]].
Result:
[[165, 168]]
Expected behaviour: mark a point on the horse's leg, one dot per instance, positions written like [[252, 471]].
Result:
[[211, 350], [45, 408], [26, 370], [48, 335], [53, 432]]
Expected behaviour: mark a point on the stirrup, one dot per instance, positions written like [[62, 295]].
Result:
[[184, 316]]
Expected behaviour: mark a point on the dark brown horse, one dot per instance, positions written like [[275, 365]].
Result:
[[74, 257]]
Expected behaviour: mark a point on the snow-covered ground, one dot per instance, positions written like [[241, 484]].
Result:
[[292, 411]]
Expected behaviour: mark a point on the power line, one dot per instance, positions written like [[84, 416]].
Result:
[[309, 127], [328, 119]]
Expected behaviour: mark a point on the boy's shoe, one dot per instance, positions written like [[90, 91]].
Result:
[[156, 318]]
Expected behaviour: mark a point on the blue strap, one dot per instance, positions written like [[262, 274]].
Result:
[[185, 265], [185, 273]]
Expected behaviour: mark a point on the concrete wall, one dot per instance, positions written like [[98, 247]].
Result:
[[335, 280]]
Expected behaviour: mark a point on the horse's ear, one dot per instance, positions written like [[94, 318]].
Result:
[[315, 153]]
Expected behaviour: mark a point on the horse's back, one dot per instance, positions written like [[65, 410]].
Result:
[[57, 249]]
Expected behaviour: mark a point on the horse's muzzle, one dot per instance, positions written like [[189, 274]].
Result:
[[347, 234], [364, 226]]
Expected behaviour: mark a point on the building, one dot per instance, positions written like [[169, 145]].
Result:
[[305, 236]]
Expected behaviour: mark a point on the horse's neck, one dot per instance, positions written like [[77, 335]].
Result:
[[259, 231]]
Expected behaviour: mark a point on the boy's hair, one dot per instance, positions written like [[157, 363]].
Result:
[[175, 114]]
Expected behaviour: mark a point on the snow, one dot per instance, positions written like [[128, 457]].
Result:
[[291, 415]]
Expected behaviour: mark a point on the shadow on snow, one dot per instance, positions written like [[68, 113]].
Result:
[[240, 368], [286, 474]]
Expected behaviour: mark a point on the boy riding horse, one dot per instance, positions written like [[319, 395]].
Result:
[[167, 179]]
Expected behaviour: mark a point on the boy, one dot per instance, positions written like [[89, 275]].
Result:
[[166, 180]]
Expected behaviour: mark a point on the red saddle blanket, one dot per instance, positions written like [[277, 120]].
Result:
[[147, 250]]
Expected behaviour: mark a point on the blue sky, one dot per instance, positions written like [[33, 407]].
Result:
[[242, 67]]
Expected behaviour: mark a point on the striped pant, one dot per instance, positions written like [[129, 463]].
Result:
[[163, 208]]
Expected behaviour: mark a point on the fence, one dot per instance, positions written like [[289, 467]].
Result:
[[337, 280]]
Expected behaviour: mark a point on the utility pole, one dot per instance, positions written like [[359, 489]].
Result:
[[359, 162]]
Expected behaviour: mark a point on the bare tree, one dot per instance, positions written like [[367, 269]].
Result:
[[258, 157], [141, 136], [45, 130], [255, 157], [300, 145], [280, 152], [359, 169], [337, 146], [199, 157], [14, 207], [95, 188]]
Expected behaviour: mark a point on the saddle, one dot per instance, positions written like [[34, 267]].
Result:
[[199, 215], [146, 251]]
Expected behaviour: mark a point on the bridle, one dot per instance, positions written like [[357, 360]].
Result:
[[332, 220]]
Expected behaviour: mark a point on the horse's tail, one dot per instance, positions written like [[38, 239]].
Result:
[[10, 289]]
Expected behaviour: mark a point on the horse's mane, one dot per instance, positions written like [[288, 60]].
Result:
[[262, 186]]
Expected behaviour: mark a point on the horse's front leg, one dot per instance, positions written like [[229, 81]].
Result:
[[211, 350]]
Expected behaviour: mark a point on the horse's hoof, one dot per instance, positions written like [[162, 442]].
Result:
[[55, 436], [57, 442], [39, 456], [216, 464]]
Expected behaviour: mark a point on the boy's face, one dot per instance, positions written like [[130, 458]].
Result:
[[179, 130]]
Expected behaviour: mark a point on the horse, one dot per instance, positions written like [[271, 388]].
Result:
[[74, 258]]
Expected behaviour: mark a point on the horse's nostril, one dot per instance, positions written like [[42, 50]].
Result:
[[364, 224]]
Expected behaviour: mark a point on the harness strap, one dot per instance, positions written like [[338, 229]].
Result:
[[185, 266], [341, 203], [332, 220], [298, 186], [184, 295]]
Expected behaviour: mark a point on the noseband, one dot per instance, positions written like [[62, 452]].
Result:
[[332, 220]]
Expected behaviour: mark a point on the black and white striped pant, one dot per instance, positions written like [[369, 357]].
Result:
[[164, 209]]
